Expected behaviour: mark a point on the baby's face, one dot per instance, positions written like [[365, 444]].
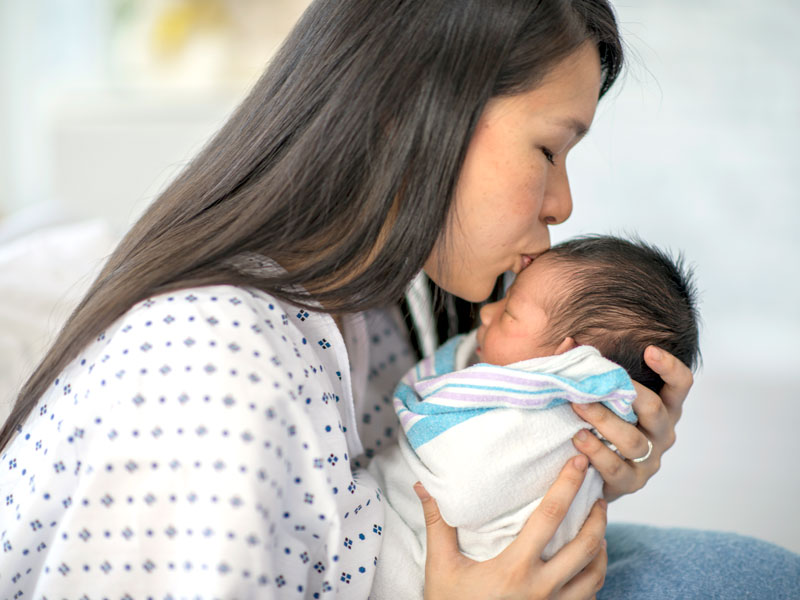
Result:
[[515, 327]]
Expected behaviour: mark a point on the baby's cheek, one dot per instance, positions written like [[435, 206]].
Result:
[[505, 352], [492, 350]]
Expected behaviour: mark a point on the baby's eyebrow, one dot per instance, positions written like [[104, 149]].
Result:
[[508, 298], [523, 297]]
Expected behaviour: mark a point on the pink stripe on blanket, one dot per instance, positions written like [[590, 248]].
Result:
[[537, 401], [623, 405], [494, 376], [405, 417], [542, 400], [426, 367]]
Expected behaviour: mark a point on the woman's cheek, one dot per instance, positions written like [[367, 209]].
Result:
[[534, 190]]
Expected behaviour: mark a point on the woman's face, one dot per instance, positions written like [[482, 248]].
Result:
[[513, 183]]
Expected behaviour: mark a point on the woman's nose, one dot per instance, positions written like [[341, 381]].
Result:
[[557, 205]]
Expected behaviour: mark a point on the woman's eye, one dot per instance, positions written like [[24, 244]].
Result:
[[549, 156]]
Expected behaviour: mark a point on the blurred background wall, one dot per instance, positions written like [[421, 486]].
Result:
[[698, 151], [103, 101]]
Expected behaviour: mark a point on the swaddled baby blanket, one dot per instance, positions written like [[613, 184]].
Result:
[[487, 442]]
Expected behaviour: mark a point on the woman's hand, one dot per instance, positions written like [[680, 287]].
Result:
[[576, 571], [657, 419]]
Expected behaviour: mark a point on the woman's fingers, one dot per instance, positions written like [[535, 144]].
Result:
[[545, 519], [620, 476], [587, 549], [587, 583], [442, 540], [657, 413], [628, 438], [677, 378], [655, 422]]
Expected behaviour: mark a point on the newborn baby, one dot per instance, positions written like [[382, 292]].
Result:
[[486, 420]]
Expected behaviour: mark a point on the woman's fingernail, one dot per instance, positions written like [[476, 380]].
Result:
[[420, 491], [655, 353], [582, 435], [580, 462], [579, 407]]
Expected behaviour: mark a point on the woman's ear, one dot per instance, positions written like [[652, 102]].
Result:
[[567, 344]]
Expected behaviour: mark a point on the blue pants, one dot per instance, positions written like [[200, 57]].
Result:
[[652, 563]]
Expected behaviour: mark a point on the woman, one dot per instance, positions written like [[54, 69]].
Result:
[[199, 427]]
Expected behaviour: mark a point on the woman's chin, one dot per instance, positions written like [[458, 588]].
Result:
[[476, 294]]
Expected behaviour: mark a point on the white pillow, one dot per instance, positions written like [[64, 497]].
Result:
[[43, 276]]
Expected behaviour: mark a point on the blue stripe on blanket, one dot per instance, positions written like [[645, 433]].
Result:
[[437, 418], [415, 405], [603, 384], [445, 356], [428, 428]]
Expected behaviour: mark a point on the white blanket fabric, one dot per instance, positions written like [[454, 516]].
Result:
[[480, 440]]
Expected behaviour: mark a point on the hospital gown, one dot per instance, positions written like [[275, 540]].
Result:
[[209, 444]]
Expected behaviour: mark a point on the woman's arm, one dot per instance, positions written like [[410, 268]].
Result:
[[576, 571], [657, 418]]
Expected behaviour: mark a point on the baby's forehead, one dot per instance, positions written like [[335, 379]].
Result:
[[543, 281]]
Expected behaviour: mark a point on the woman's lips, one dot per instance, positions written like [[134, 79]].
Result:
[[526, 260]]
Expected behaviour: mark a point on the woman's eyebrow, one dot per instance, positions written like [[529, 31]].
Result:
[[579, 127]]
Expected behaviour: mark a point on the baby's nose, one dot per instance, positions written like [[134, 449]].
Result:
[[486, 312]]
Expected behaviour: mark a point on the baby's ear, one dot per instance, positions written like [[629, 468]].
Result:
[[566, 345]]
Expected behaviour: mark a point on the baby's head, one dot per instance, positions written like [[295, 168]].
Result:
[[617, 295]]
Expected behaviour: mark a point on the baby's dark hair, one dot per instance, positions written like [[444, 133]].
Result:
[[622, 296]]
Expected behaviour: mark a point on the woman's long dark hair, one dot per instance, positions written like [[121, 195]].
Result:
[[349, 146]]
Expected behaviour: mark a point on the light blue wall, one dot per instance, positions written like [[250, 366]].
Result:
[[697, 150], [46, 48]]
